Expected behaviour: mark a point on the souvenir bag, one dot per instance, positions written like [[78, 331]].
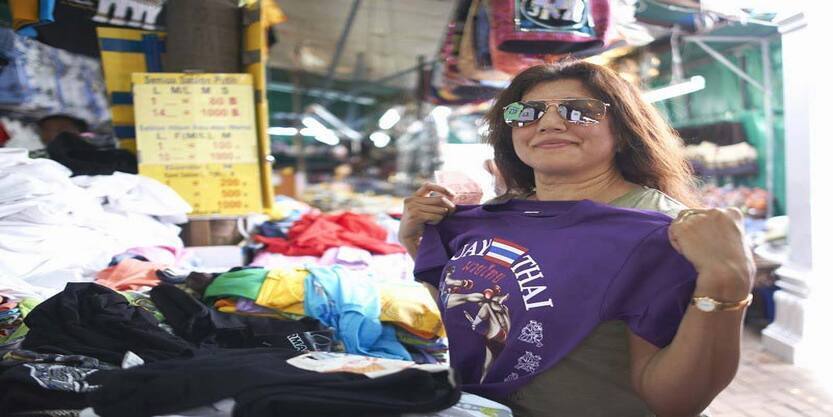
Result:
[[467, 62], [454, 32], [450, 85], [481, 35], [513, 63], [508, 62], [549, 26], [454, 85]]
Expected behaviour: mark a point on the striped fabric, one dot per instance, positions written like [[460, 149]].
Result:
[[503, 252]]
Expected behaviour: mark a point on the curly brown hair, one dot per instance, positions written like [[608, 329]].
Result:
[[650, 152]]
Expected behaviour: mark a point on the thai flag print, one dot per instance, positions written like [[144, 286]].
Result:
[[504, 253]]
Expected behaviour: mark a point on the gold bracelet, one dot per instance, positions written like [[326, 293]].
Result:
[[708, 304]]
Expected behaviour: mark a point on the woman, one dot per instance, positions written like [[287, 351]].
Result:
[[611, 311]]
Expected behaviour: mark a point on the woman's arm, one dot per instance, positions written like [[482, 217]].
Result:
[[681, 379], [411, 246]]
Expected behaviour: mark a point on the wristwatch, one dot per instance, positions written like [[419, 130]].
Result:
[[708, 304]]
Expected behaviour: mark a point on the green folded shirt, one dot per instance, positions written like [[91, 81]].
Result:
[[244, 283]]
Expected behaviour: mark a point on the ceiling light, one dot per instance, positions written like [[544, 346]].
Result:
[[291, 131], [327, 136], [380, 139], [495, 83], [389, 119], [695, 83], [415, 127], [679, 86], [282, 131], [319, 131], [440, 115], [334, 121], [441, 111], [311, 123]]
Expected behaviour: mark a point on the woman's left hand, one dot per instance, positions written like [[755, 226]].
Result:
[[713, 241]]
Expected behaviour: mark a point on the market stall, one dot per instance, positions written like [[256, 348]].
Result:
[[200, 201], [92, 237]]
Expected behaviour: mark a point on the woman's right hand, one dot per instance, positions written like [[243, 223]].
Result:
[[422, 208]]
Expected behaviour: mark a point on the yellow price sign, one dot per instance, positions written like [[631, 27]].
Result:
[[197, 133]]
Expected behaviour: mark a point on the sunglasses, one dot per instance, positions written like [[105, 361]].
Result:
[[579, 111]]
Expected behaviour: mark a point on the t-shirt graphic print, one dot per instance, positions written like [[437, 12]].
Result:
[[522, 283], [486, 307]]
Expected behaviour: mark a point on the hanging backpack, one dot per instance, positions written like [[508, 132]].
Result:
[[550, 26], [452, 87], [508, 62], [467, 62]]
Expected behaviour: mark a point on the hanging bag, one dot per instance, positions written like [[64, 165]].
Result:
[[452, 86], [549, 26], [508, 62], [467, 63]]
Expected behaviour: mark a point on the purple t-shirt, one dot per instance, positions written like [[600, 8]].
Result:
[[522, 283]]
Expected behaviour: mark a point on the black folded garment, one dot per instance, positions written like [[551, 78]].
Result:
[[263, 384], [195, 322], [93, 320], [33, 381], [84, 158]]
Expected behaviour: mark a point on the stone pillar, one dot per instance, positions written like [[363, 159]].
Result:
[[803, 316]]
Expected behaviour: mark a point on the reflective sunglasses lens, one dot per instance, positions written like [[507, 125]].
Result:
[[519, 113], [582, 111], [593, 108]]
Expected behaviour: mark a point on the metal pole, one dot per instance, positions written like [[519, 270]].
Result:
[[358, 75], [340, 45], [325, 94], [770, 128], [298, 139], [407, 71], [378, 82], [420, 64], [731, 39], [676, 59], [732, 67], [738, 49]]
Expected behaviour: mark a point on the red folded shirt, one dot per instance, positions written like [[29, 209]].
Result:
[[315, 233]]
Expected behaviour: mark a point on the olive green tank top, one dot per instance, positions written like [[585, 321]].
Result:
[[593, 380]]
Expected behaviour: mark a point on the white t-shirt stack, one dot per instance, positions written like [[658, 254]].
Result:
[[55, 229]]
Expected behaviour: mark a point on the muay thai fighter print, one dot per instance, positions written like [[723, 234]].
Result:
[[478, 284]]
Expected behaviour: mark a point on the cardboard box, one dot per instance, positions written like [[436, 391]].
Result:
[[211, 232]]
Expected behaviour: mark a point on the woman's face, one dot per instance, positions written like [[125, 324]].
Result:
[[553, 147]]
